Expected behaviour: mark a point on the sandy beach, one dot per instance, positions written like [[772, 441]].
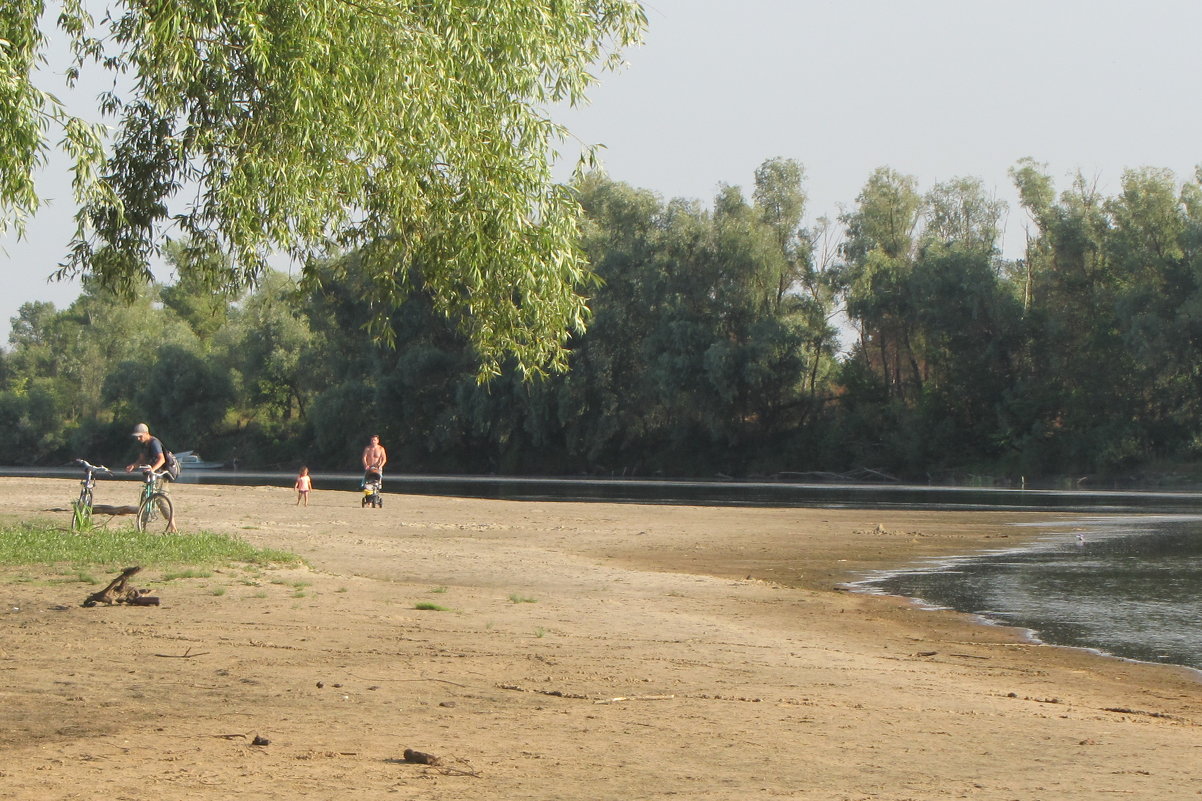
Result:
[[583, 651]]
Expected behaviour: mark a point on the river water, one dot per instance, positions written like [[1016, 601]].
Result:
[[1126, 586], [1124, 579]]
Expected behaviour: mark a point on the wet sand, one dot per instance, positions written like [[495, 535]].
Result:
[[586, 651]]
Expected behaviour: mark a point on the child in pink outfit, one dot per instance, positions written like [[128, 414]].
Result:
[[303, 485]]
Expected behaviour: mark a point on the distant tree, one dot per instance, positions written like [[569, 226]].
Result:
[[31, 429], [268, 341], [780, 201], [31, 336], [184, 396], [878, 259], [204, 308], [694, 357], [1155, 248]]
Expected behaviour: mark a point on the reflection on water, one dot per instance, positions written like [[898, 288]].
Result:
[[1130, 587]]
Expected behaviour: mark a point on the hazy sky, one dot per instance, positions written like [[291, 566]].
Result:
[[936, 89]]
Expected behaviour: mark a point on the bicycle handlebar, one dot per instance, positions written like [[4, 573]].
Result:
[[99, 468], [145, 468]]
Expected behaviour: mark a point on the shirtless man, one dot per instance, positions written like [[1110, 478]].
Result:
[[374, 458]]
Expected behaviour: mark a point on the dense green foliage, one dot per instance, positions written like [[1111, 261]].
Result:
[[713, 347], [414, 132]]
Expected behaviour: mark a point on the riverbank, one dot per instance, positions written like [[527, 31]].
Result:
[[585, 651]]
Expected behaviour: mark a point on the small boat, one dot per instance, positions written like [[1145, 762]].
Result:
[[191, 460]]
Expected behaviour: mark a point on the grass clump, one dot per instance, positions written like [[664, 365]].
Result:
[[429, 607], [76, 576], [187, 574], [43, 543], [521, 599]]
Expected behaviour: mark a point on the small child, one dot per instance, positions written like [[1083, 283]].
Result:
[[303, 485]]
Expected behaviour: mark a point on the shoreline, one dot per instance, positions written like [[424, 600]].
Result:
[[586, 651], [954, 582]]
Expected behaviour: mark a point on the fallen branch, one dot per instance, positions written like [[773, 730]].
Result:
[[1122, 710], [116, 592], [104, 509], [553, 693], [562, 694], [185, 655], [634, 698], [446, 769]]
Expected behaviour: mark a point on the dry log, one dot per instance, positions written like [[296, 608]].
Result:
[[105, 509], [117, 593], [420, 758]]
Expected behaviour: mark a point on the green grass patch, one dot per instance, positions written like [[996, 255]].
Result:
[[187, 574], [76, 577], [439, 589], [429, 607], [521, 599], [43, 543]]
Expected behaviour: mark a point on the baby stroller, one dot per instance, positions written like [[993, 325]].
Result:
[[371, 484]]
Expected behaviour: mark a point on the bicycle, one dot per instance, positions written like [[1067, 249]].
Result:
[[154, 507], [81, 507]]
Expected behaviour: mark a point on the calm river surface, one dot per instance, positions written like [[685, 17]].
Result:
[[1125, 578], [1126, 586]]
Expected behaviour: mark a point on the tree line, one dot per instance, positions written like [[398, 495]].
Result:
[[720, 339]]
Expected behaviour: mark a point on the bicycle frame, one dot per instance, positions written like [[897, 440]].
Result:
[[81, 507], [152, 481], [154, 505]]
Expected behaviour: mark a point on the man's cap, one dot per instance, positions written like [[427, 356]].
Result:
[[140, 428]]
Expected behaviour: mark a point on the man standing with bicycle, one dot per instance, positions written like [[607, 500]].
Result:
[[153, 455]]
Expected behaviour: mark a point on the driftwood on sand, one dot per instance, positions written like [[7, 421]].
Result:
[[117, 593], [105, 509]]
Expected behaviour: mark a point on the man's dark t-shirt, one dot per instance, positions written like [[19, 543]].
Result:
[[153, 450]]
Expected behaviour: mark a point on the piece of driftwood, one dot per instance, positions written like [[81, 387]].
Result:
[[185, 655], [420, 757], [105, 509], [117, 593], [451, 766]]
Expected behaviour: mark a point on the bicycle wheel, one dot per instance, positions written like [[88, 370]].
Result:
[[155, 513], [81, 514]]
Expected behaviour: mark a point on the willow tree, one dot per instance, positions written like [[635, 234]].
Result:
[[416, 131]]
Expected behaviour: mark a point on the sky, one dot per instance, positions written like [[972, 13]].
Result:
[[936, 89]]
